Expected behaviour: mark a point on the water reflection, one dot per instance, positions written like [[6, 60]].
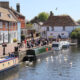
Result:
[[9, 75], [61, 65]]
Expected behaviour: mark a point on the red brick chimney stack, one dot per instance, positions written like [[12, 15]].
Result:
[[4, 4]]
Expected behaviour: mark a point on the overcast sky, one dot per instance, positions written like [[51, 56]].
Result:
[[30, 8]]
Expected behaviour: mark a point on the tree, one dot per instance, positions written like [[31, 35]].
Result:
[[43, 16]]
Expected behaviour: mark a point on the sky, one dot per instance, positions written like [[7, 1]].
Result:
[[31, 8]]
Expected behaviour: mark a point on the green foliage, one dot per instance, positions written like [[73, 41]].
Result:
[[78, 35], [14, 40], [29, 26], [43, 16], [22, 37], [75, 34]]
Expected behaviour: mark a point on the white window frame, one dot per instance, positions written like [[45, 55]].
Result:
[[1, 24], [6, 25], [0, 14], [9, 15], [10, 25]]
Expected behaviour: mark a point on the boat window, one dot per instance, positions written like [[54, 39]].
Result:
[[55, 45], [13, 61], [3, 65], [8, 63]]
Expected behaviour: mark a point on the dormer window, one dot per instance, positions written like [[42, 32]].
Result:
[[9, 15], [0, 14]]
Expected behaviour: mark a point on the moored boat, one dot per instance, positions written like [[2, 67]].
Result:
[[8, 62], [33, 54], [59, 45]]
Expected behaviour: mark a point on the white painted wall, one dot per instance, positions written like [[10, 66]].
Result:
[[44, 28], [58, 28], [69, 28], [53, 34], [37, 27]]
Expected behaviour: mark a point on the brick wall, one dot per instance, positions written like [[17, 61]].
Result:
[[9, 48], [4, 4], [22, 20]]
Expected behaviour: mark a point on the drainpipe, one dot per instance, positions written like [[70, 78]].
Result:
[[8, 33]]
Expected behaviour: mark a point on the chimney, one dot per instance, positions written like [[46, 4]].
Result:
[[18, 7], [51, 13], [4, 4]]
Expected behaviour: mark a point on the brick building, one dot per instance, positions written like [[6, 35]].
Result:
[[20, 17], [12, 18], [9, 24]]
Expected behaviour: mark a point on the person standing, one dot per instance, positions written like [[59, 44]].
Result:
[[25, 43]]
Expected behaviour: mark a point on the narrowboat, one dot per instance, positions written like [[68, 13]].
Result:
[[33, 54], [8, 62]]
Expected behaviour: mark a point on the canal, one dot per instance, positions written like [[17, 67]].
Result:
[[61, 65]]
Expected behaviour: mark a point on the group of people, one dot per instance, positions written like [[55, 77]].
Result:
[[34, 43]]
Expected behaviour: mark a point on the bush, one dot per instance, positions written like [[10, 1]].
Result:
[[14, 40], [73, 35]]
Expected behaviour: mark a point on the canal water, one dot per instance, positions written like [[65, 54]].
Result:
[[61, 65]]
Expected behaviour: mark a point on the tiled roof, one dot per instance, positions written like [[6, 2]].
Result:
[[17, 13], [60, 21], [7, 15]]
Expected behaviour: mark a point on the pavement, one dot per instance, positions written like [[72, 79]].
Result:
[[10, 48]]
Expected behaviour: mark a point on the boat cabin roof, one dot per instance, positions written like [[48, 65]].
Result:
[[6, 59]]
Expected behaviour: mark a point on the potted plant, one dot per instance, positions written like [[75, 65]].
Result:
[[14, 40]]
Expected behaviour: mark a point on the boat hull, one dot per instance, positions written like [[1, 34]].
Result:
[[8, 63]]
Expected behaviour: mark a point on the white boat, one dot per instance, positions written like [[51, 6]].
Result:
[[65, 44], [8, 62], [59, 45]]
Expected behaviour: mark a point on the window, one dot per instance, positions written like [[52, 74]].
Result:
[[47, 28], [55, 45], [10, 24], [9, 15], [0, 24], [13, 62], [6, 25], [14, 34], [0, 14], [1, 37], [3, 65], [52, 28], [63, 28], [8, 63]]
